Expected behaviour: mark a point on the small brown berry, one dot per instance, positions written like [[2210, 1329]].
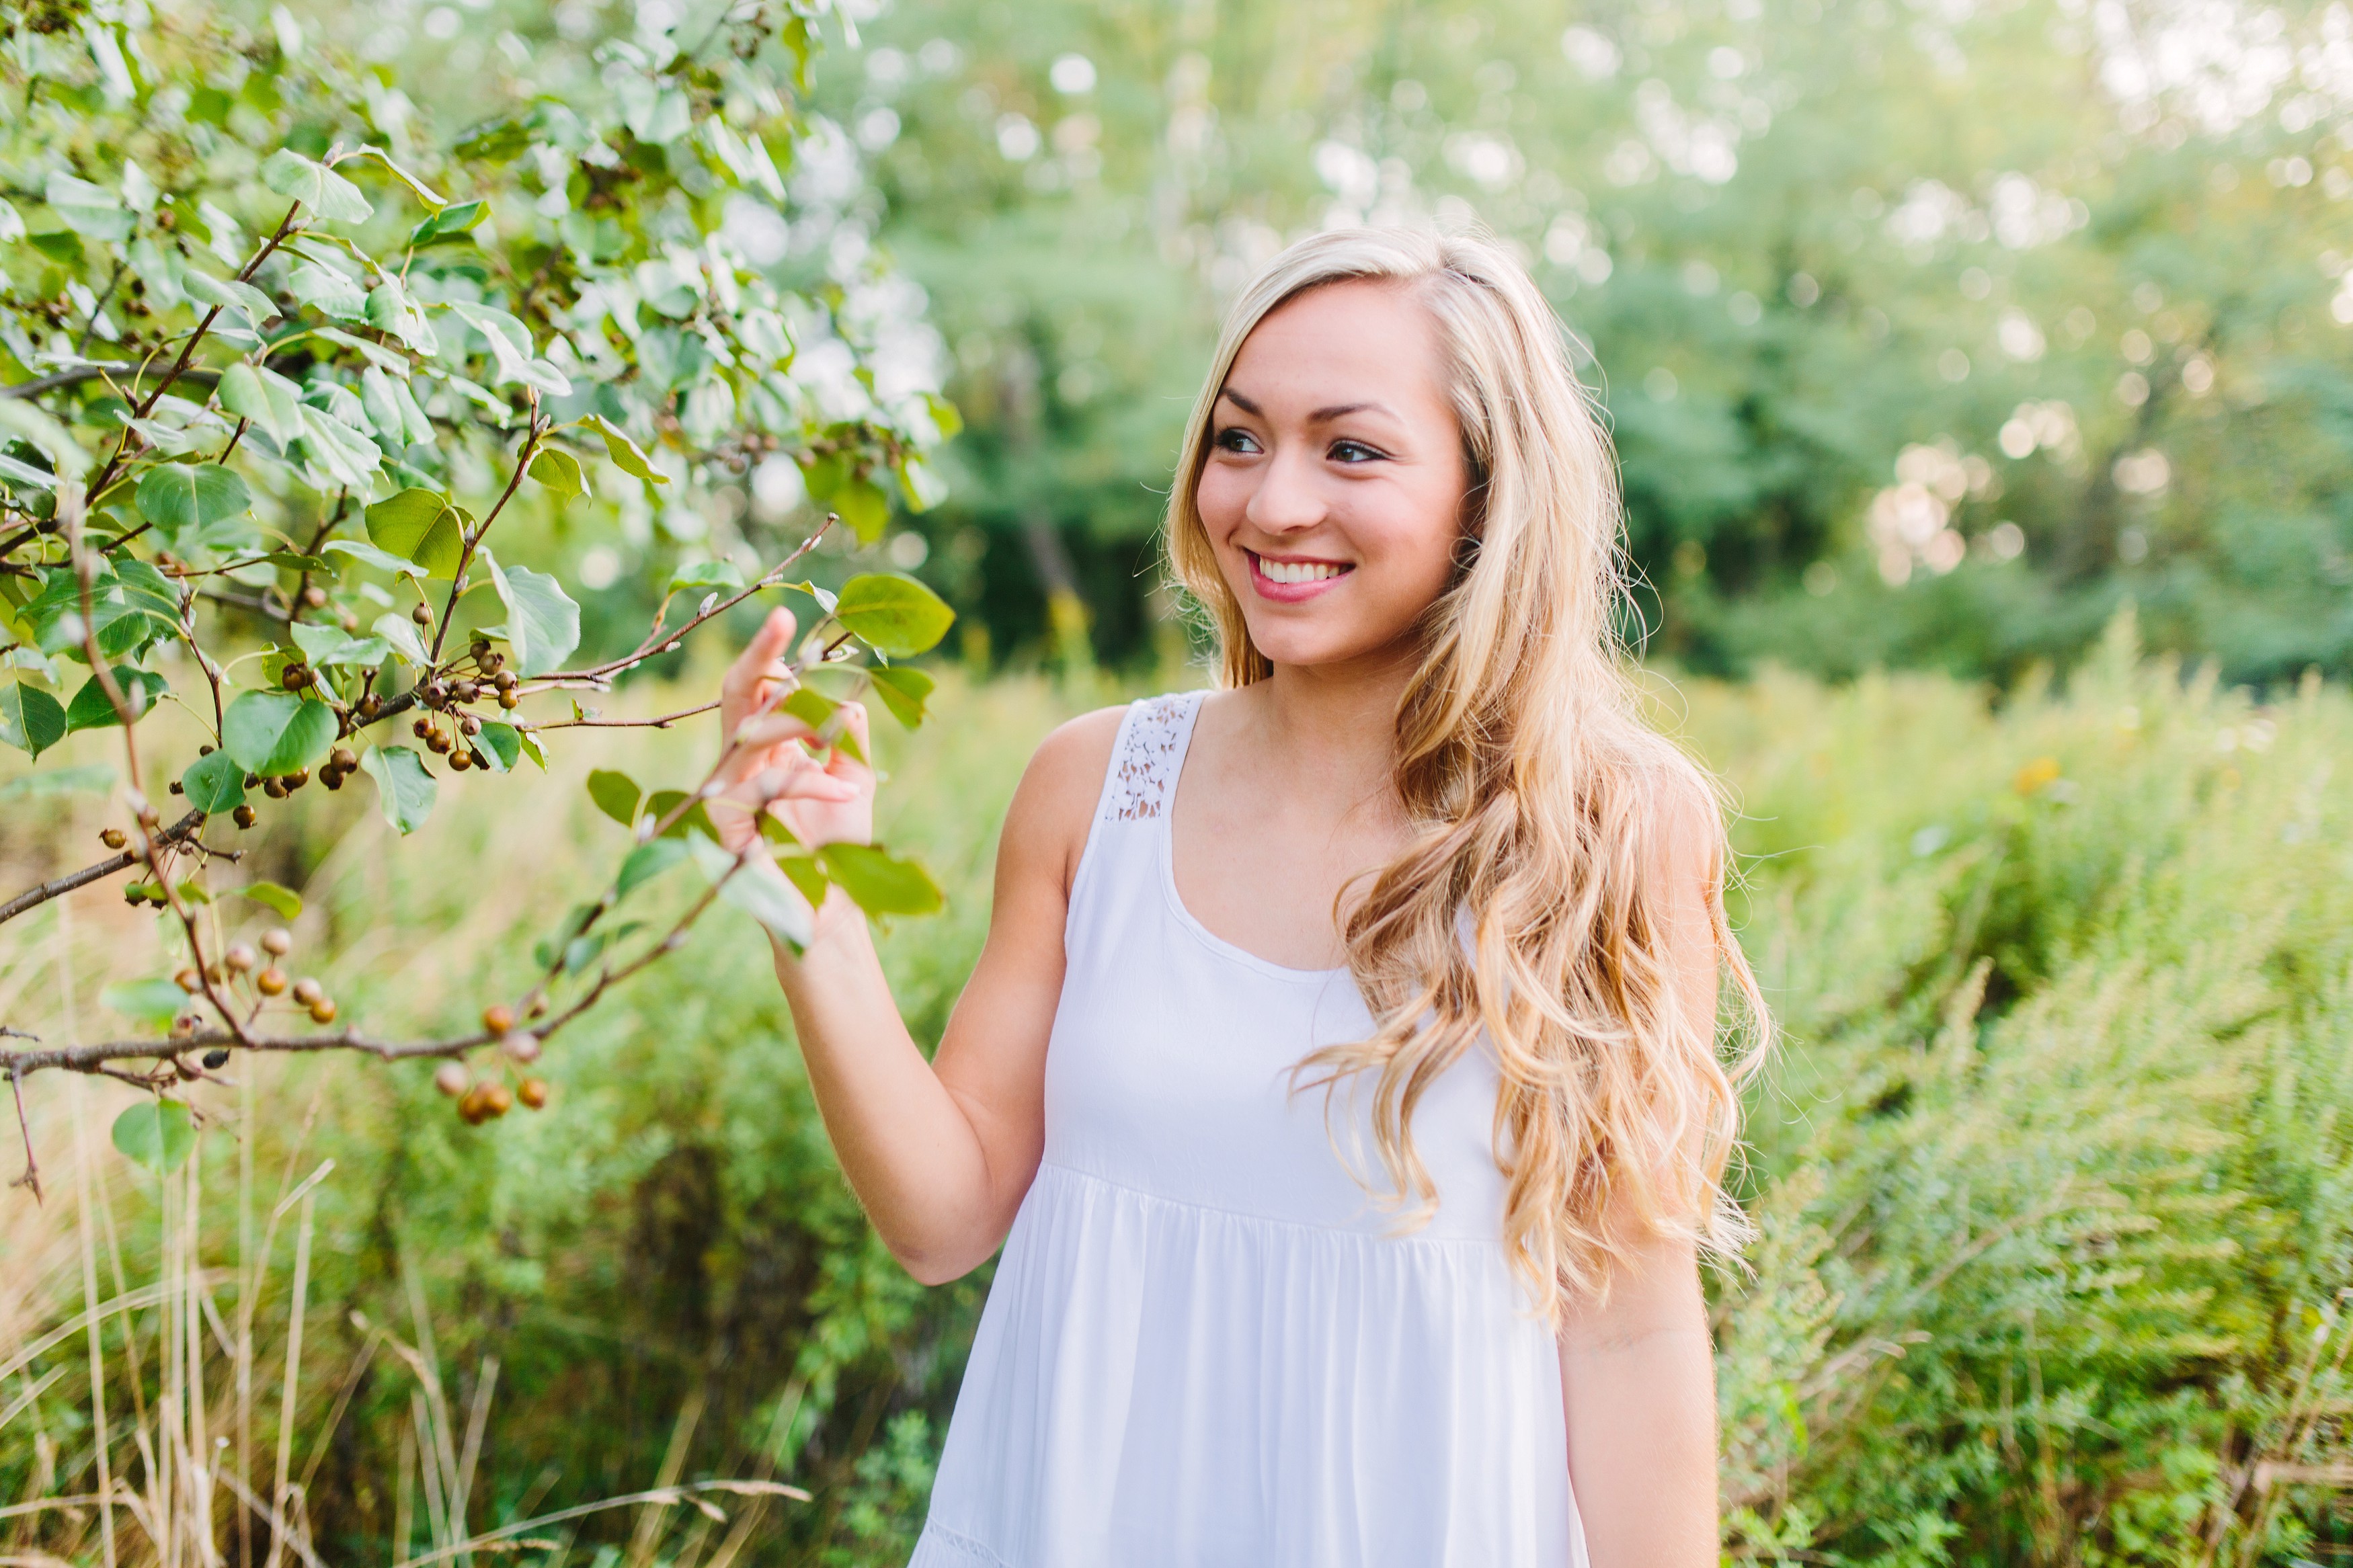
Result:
[[183, 1026], [322, 1011], [307, 991], [464, 690], [270, 982], [297, 778], [497, 1099], [474, 1105], [532, 1091], [188, 980], [274, 788], [508, 700], [521, 1045], [460, 760], [498, 1017], [315, 596], [188, 1071], [245, 816], [422, 614], [371, 705], [452, 1078], [344, 758], [470, 725], [216, 1059], [176, 788], [277, 940], [332, 778], [240, 957], [348, 621], [434, 693], [437, 742], [112, 837], [420, 729], [296, 678]]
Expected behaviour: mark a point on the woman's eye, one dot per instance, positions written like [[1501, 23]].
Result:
[[1231, 439], [1353, 452]]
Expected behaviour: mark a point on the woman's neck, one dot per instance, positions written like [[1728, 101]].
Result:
[[1329, 731]]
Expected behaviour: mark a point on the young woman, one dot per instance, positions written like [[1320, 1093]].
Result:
[[1341, 1060]]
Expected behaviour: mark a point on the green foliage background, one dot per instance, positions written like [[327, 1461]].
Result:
[[2002, 300]]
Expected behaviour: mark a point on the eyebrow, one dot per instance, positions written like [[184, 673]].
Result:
[[1320, 416]]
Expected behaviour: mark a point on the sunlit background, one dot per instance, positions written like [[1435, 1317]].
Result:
[[1982, 378]]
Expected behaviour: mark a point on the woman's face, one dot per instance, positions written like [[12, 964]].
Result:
[[1332, 492]]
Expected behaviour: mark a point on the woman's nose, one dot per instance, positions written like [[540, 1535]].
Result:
[[1287, 498]]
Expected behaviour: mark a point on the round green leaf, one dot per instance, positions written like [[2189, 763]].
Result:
[[542, 621], [880, 883], [276, 733], [616, 794], [175, 495], [403, 789], [93, 709], [559, 470], [315, 185], [892, 614], [215, 784], [156, 1002], [419, 525], [30, 719], [901, 690], [285, 900], [156, 1134]]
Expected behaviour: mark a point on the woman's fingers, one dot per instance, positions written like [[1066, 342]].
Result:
[[759, 658]]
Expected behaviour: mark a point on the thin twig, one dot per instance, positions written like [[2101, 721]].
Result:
[[33, 897], [659, 640], [32, 1176], [664, 722]]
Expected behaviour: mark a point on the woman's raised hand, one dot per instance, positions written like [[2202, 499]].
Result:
[[824, 797]]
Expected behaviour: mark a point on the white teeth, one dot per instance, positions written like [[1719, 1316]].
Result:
[[1297, 571]]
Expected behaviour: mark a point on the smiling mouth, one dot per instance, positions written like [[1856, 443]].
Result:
[[1289, 572]]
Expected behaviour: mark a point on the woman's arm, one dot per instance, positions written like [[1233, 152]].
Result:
[[939, 1153], [1638, 1373]]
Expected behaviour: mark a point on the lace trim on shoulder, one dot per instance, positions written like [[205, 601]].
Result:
[[1151, 745], [963, 1547]]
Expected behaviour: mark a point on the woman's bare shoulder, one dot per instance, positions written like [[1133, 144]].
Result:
[[1046, 828]]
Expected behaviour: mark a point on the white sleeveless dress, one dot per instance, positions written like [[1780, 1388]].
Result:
[[1202, 1349]]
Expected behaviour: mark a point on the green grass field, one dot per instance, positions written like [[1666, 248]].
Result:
[[2053, 1164]]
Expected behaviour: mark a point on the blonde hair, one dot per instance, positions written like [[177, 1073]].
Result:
[[1540, 802]]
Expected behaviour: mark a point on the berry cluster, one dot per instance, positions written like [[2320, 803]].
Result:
[[486, 1098]]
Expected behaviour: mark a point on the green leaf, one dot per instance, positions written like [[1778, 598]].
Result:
[[329, 289], [88, 209], [274, 733], [315, 185], [425, 193], [95, 776], [285, 900], [499, 745], [399, 634], [880, 883], [403, 788], [156, 1002], [694, 818], [616, 795], [646, 862], [532, 748], [892, 614], [542, 622], [90, 708], [173, 496], [230, 294], [559, 471], [266, 397], [156, 1134], [213, 783], [864, 507], [804, 873], [901, 690], [705, 574], [923, 488], [383, 560], [626, 454], [455, 220], [767, 898], [295, 563], [30, 719], [327, 645], [421, 525], [810, 706]]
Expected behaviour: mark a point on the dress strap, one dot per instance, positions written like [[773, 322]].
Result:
[[1147, 758]]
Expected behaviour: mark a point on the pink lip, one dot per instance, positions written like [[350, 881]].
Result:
[[1294, 593]]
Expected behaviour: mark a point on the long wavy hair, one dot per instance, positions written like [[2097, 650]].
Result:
[[1530, 904]]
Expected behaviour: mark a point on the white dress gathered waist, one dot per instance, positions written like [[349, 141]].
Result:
[[1206, 1344]]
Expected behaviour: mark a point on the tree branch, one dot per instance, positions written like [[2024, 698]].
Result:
[[32, 898]]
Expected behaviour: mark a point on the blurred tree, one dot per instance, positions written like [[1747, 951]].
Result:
[[1927, 332]]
